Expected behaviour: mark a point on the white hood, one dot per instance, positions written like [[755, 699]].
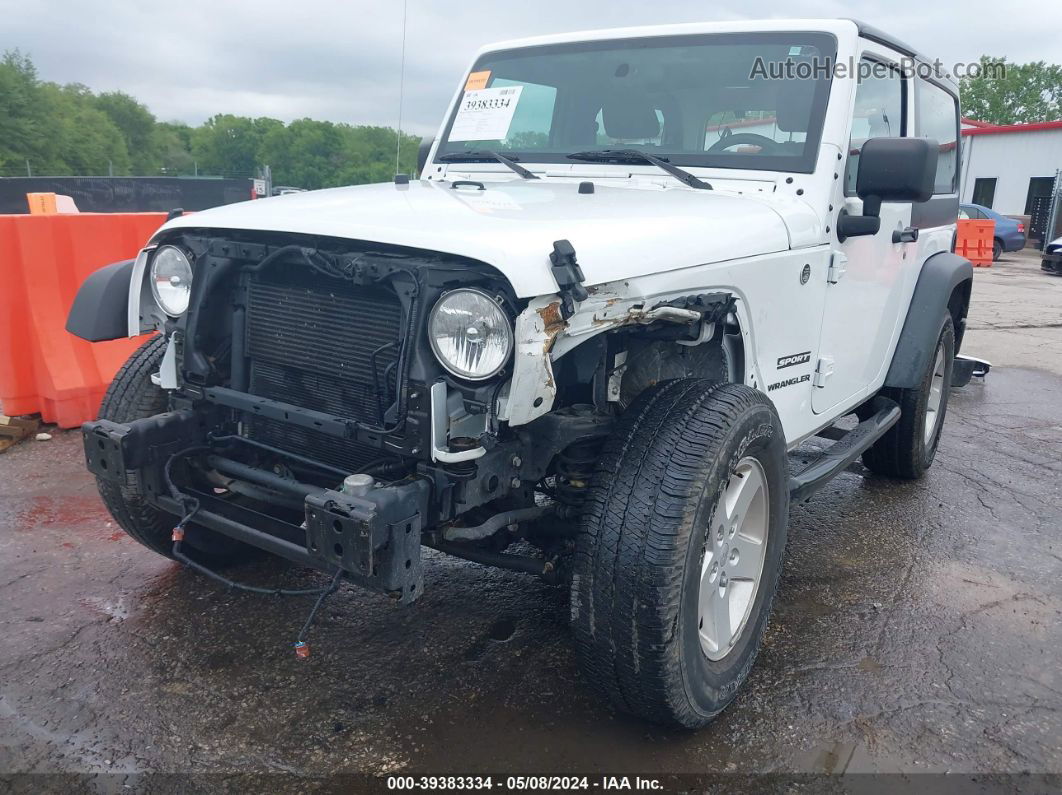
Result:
[[618, 232]]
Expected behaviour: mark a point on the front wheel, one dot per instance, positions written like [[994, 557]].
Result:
[[680, 549]]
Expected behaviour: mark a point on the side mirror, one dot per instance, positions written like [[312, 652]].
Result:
[[890, 170], [422, 154]]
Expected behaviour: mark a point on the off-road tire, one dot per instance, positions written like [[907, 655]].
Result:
[[641, 540], [131, 396], [904, 452]]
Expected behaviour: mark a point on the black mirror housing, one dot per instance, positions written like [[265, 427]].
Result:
[[897, 170], [422, 154], [890, 170], [856, 225]]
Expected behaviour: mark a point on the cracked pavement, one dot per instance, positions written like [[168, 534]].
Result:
[[1016, 314], [917, 627]]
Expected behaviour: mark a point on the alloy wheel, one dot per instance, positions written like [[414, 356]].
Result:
[[734, 550]]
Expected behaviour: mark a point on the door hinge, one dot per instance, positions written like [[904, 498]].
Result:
[[823, 370], [838, 265]]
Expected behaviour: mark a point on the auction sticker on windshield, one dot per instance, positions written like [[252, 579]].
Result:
[[485, 115], [477, 80]]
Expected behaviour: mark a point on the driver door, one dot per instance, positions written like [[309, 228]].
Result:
[[866, 281]]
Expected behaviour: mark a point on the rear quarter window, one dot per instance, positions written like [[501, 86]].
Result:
[[937, 117]]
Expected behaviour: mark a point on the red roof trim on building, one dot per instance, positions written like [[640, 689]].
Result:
[[1015, 128], [975, 123]]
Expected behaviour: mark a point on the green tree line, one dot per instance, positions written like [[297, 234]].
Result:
[[1028, 92], [71, 131], [53, 130]]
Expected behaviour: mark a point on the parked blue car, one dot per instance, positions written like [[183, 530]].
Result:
[[1010, 234]]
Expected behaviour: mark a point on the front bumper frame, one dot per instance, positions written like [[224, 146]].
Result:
[[374, 537]]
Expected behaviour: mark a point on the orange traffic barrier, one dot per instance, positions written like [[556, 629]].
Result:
[[41, 203], [50, 203], [43, 260], [973, 240]]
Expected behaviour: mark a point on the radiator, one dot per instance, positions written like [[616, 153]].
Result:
[[316, 342]]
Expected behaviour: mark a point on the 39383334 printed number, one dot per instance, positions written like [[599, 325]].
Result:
[[509, 783]]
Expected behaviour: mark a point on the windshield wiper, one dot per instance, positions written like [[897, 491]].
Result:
[[485, 156], [637, 156]]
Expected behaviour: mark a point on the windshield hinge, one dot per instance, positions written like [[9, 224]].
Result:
[[838, 266], [569, 276], [823, 370]]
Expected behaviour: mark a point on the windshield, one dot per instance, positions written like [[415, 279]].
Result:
[[734, 100]]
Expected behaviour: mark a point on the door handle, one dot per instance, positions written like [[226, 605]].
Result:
[[908, 235]]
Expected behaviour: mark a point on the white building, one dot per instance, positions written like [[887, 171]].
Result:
[[1006, 167]]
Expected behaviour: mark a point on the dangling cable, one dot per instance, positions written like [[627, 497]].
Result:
[[302, 648], [191, 504]]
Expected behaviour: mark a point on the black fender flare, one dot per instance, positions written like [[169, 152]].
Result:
[[101, 307], [934, 293]]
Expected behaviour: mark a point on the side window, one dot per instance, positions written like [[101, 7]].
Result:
[[879, 112], [937, 116]]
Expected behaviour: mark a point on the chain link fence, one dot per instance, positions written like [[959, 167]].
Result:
[[127, 194]]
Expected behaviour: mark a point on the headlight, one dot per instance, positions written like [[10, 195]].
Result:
[[171, 280], [470, 334]]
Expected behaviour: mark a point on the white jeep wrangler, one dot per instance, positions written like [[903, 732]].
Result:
[[638, 267]]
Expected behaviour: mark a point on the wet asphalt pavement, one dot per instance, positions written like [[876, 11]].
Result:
[[917, 628]]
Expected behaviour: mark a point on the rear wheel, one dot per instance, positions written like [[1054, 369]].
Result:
[[997, 249], [131, 396], [680, 549], [907, 449]]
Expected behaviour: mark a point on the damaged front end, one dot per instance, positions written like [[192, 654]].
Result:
[[309, 416]]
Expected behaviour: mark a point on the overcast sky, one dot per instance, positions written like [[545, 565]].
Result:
[[340, 60]]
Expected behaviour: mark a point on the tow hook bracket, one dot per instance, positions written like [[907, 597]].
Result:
[[350, 536], [374, 538], [103, 449], [113, 448]]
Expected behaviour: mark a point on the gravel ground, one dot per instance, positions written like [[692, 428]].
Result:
[[916, 630]]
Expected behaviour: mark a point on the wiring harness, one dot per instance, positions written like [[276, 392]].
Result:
[[191, 507]]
